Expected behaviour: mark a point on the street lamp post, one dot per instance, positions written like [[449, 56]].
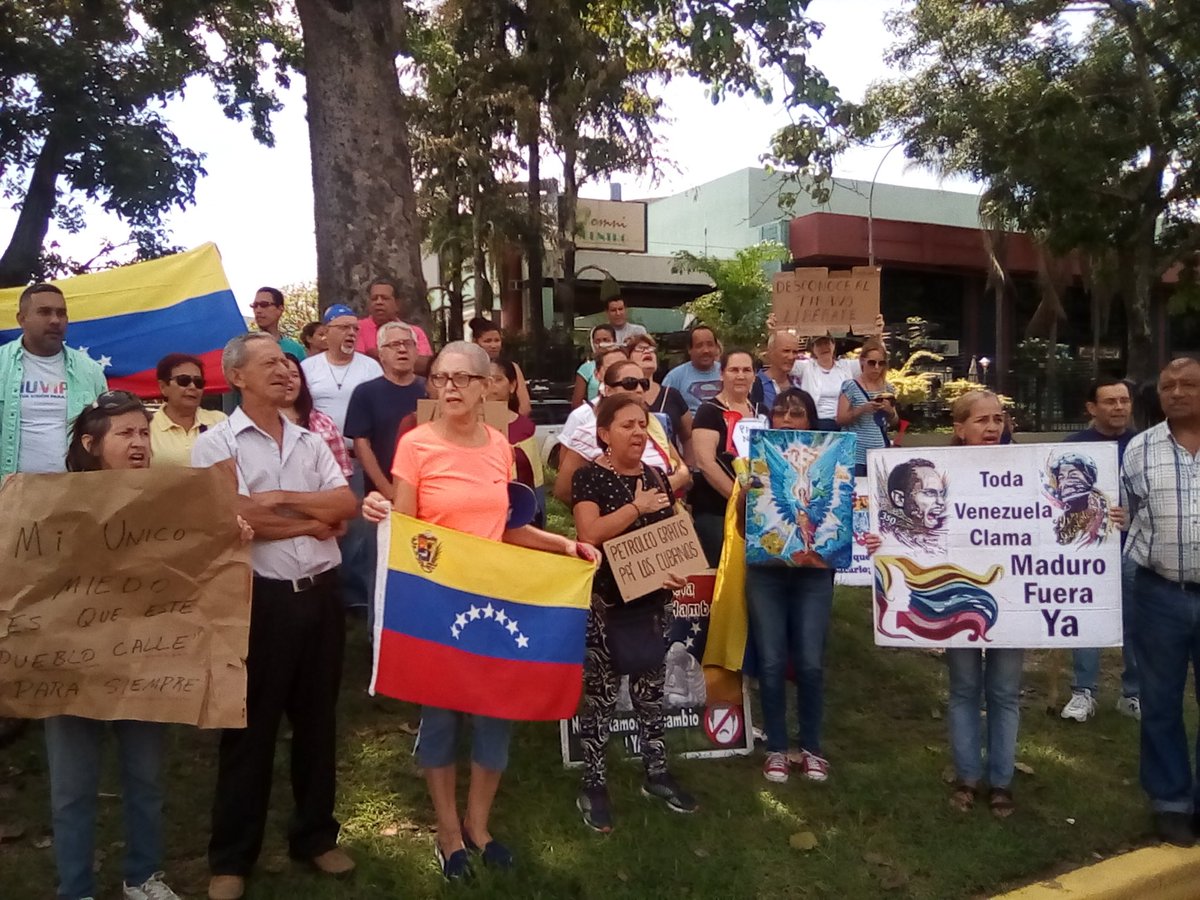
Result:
[[871, 206]]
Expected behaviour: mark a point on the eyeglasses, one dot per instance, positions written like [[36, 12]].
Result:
[[630, 383], [875, 363], [188, 380], [264, 304], [458, 379], [348, 327], [114, 399], [398, 345]]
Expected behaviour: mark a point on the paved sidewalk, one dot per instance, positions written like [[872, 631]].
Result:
[[1152, 873]]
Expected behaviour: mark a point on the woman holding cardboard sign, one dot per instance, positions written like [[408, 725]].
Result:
[[611, 496]]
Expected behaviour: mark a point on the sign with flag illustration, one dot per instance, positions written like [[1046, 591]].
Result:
[[128, 318], [478, 626]]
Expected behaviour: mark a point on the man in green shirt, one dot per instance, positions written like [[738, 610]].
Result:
[[268, 310]]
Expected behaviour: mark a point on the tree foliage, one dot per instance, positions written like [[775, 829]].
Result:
[[1081, 122], [740, 301], [82, 93]]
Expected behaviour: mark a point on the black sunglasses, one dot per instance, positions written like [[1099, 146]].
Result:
[[264, 304], [188, 380], [630, 383], [111, 400]]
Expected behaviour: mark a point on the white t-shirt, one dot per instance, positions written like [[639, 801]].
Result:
[[331, 386], [825, 385], [43, 413], [627, 331], [579, 434]]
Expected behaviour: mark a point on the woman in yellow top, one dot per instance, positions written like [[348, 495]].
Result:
[[180, 420]]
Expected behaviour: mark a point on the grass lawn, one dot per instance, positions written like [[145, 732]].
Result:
[[882, 823]]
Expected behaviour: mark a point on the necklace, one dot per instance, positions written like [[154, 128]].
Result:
[[345, 372]]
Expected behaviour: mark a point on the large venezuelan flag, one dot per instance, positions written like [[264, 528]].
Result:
[[479, 626], [129, 318]]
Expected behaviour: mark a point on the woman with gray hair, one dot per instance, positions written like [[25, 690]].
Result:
[[454, 472]]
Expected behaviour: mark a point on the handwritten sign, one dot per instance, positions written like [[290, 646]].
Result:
[[815, 301], [495, 413], [641, 559], [127, 596]]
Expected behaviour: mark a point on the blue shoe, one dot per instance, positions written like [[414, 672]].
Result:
[[456, 867], [495, 854]]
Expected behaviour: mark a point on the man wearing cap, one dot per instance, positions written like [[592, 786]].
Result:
[[268, 310], [44, 385], [332, 377], [383, 305], [614, 308]]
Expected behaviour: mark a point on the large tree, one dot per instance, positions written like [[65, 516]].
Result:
[[82, 92], [1079, 119]]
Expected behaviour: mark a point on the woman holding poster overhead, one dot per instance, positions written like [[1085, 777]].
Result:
[[713, 433], [611, 496], [454, 472], [867, 406]]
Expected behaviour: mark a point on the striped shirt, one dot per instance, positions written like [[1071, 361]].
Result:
[[1160, 486]]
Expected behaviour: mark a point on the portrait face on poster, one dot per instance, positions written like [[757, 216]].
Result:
[[996, 546], [800, 498]]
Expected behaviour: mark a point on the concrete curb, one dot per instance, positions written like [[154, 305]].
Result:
[[1161, 873]]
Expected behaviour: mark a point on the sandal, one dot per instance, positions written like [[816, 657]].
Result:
[[1000, 801], [963, 798]]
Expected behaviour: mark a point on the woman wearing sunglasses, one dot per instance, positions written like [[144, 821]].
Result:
[[867, 406], [181, 419]]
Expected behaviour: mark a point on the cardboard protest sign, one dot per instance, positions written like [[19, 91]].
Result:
[[996, 546], [641, 559], [858, 573], [127, 597], [696, 729], [816, 301], [495, 413], [799, 498]]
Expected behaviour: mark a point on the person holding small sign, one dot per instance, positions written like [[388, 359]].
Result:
[[867, 406], [611, 496]]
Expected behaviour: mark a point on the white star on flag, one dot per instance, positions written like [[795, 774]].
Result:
[[83, 350], [487, 611], [473, 612], [689, 643], [695, 628], [460, 620], [501, 618], [522, 641], [512, 626], [455, 631], [105, 361]]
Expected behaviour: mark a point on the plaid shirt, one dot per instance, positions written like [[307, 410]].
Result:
[[1160, 486], [320, 424]]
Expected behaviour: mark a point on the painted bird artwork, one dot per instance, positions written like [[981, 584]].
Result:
[[800, 499]]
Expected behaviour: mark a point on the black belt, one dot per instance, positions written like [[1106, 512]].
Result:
[[300, 585], [1193, 586]]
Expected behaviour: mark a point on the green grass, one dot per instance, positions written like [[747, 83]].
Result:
[[882, 822]]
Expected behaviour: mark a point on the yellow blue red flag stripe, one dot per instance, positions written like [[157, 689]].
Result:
[[479, 626], [130, 317]]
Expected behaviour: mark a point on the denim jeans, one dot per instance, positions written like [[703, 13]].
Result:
[[1087, 661], [438, 736], [1167, 638], [996, 676], [358, 552], [74, 748], [789, 617]]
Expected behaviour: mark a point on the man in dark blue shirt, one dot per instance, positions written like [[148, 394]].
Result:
[[1110, 406]]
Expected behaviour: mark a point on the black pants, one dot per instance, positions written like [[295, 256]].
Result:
[[297, 641]]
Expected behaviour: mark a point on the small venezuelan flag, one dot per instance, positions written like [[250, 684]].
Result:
[[129, 318], [479, 626]]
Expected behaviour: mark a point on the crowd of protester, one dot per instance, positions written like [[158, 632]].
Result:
[[331, 428]]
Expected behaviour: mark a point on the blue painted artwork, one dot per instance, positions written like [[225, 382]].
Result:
[[800, 499]]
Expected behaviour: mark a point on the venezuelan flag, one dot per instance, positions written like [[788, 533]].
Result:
[[479, 626], [129, 318]]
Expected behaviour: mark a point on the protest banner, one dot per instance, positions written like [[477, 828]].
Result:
[[996, 546], [858, 573], [696, 729], [641, 559], [128, 597], [495, 413], [817, 301], [799, 498]]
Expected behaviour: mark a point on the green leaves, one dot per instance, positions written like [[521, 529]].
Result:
[[738, 306]]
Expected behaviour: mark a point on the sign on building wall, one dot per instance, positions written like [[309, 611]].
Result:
[[816, 301], [611, 225]]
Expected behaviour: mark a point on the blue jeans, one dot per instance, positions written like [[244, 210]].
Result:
[[1087, 661], [975, 675], [1167, 638], [358, 552], [438, 735], [74, 747], [789, 616]]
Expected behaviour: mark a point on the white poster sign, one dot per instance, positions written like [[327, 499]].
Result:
[[858, 573], [996, 546]]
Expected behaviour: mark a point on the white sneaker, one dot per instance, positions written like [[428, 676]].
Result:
[[1130, 706], [154, 889], [1081, 706]]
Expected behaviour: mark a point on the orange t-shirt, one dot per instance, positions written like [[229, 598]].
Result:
[[464, 488]]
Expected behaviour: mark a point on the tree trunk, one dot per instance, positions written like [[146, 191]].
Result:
[[1143, 362], [364, 203], [20, 261], [533, 246], [566, 230]]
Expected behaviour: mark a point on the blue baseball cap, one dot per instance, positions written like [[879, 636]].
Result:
[[338, 309]]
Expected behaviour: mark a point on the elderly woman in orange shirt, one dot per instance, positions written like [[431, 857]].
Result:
[[454, 472]]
